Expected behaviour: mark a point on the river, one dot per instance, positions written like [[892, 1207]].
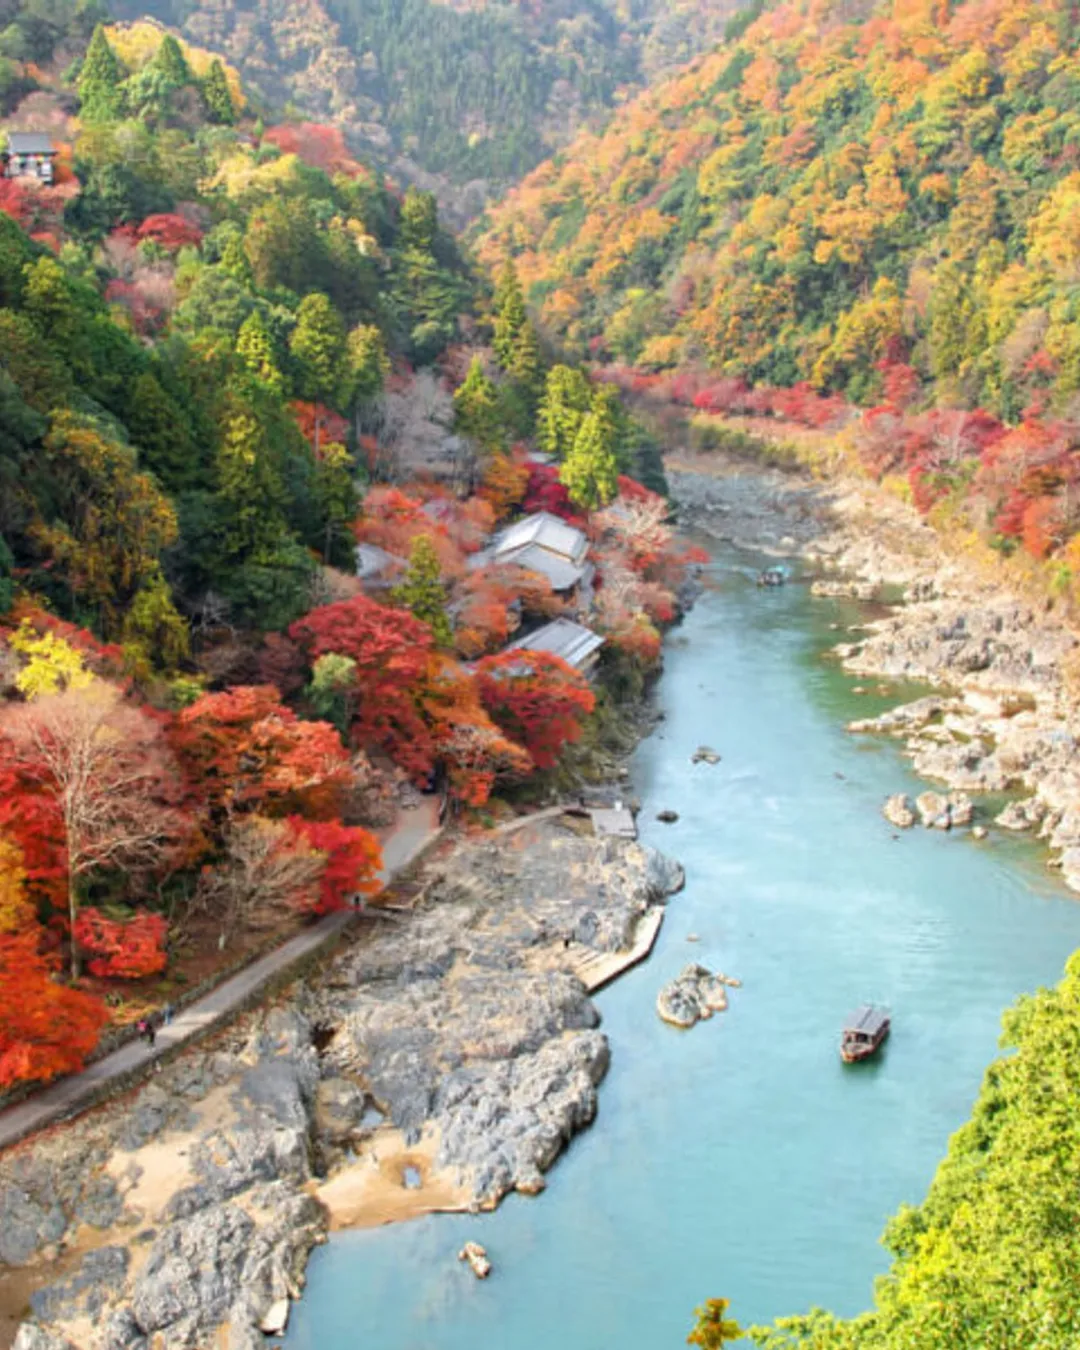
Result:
[[741, 1158]]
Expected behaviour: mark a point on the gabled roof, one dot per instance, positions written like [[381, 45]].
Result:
[[562, 573], [562, 637], [30, 143], [546, 531]]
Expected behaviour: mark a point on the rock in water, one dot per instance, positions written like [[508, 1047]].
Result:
[[276, 1318], [705, 754], [692, 996], [942, 812], [979, 832], [667, 817], [961, 809], [933, 810], [1020, 815], [898, 811], [477, 1258]]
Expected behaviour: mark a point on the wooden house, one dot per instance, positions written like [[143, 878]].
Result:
[[29, 154]]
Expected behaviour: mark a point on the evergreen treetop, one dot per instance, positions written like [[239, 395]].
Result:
[[100, 96]]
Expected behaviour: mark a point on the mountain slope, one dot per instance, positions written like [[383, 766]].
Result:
[[463, 98], [843, 184]]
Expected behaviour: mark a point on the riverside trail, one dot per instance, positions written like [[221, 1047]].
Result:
[[741, 1159]]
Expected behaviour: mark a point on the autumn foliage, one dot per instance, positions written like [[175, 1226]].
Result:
[[243, 751], [46, 1028], [353, 860], [126, 950], [537, 699]]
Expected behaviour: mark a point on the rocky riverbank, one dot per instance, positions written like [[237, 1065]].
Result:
[[443, 1058], [1006, 720]]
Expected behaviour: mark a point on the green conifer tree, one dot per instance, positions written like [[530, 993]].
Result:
[[510, 317], [171, 63], [218, 96], [476, 409], [419, 221], [422, 591], [165, 442], [590, 472], [255, 347], [367, 362], [337, 500], [567, 398], [234, 259], [318, 348], [100, 96]]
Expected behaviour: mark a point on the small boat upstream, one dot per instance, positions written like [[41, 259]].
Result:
[[773, 576], [864, 1032]]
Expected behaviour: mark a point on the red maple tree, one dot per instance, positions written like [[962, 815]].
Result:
[[243, 751], [122, 950], [537, 699]]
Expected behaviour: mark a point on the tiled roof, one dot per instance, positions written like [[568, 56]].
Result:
[[547, 531], [572, 641], [30, 143]]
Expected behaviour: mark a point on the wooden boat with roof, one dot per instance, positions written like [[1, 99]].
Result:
[[864, 1032]]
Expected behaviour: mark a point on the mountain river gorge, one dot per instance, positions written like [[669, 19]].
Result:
[[742, 1159]]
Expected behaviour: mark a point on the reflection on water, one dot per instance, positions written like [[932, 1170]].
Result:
[[742, 1158]]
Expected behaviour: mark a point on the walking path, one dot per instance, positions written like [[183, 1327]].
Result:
[[415, 829]]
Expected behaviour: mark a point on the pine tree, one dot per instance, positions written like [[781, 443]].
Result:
[[608, 405], [567, 398], [510, 317], [234, 260], [255, 347], [217, 96], [100, 96], [476, 409], [336, 497], [171, 63], [249, 490], [419, 221], [318, 347], [422, 591], [590, 472], [367, 361], [158, 428]]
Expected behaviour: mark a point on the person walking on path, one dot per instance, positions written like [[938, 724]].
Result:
[[146, 1030], [166, 1014]]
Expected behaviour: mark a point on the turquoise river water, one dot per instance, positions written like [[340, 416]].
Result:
[[741, 1158]]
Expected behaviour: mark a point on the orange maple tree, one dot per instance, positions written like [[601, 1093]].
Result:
[[243, 751], [46, 1028]]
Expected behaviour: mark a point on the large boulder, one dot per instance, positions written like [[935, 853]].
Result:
[[1020, 816], [941, 811], [693, 995], [898, 811]]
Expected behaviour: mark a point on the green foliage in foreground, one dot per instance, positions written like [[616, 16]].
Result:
[[991, 1259]]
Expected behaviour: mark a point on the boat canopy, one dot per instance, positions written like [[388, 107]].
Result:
[[865, 1021]]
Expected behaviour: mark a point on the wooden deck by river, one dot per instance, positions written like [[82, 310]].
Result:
[[597, 969]]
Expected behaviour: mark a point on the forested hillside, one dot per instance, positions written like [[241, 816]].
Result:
[[229, 354], [870, 205], [462, 98]]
